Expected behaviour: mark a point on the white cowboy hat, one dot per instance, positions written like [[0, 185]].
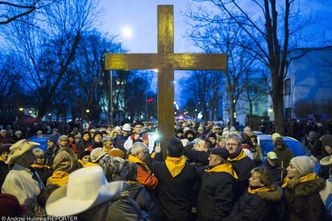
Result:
[[19, 148], [326, 161], [86, 188]]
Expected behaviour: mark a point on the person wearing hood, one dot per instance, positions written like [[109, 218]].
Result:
[[177, 178], [215, 198], [179, 133], [52, 149], [190, 135], [258, 203], [301, 191], [283, 153], [4, 167]]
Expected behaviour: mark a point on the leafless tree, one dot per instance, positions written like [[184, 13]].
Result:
[[15, 10], [47, 44]]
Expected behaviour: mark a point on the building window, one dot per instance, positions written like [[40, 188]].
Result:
[[287, 86]]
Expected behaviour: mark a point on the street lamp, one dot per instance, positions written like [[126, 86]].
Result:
[[87, 110], [21, 109]]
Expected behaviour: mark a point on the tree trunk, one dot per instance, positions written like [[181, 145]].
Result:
[[231, 109], [277, 99]]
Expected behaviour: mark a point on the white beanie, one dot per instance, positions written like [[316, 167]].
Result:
[[303, 164]]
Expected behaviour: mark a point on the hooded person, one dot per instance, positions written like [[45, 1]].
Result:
[[4, 167], [215, 198], [259, 201], [301, 191], [52, 149], [19, 181], [284, 154], [89, 196], [177, 178]]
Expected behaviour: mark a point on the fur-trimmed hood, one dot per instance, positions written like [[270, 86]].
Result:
[[273, 196], [308, 188]]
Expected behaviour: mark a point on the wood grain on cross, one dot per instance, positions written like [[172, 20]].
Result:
[[165, 61]]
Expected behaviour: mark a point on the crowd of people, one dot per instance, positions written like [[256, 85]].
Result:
[[210, 172]]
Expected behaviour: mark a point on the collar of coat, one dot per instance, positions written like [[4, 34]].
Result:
[[307, 185], [241, 155], [225, 167], [273, 194], [175, 165], [133, 159]]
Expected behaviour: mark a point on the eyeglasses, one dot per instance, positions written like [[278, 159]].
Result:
[[231, 144]]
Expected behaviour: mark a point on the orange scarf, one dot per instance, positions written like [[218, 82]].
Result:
[[239, 157], [59, 178], [260, 189], [133, 159], [175, 165], [306, 178], [225, 167]]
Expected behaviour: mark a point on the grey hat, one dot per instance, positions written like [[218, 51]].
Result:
[[303, 164]]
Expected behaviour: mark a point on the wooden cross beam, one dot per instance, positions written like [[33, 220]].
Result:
[[166, 61]]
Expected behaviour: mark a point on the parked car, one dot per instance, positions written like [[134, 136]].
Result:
[[297, 148]]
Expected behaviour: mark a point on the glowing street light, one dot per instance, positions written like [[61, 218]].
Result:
[[21, 109], [87, 110]]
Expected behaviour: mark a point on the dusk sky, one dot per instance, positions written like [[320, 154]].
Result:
[[140, 17]]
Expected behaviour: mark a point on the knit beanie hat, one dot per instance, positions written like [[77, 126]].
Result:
[[303, 164], [326, 140]]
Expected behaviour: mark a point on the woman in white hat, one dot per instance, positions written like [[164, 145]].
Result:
[[19, 181], [301, 191]]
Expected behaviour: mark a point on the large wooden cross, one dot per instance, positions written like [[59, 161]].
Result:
[[165, 61]]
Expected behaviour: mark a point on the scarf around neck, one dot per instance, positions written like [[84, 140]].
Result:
[[175, 165]]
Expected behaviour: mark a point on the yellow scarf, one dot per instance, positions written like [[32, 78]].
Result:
[[175, 165], [225, 167], [88, 164], [40, 166], [306, 178], [59, 178], [239, 157], [153, 155], [133, 159], [260, 189]]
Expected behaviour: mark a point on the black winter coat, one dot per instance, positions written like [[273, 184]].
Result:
[[4, 170], [215, 198], [175, 194], [256, 207], [304, 202], [141, 196], [242, 168]]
